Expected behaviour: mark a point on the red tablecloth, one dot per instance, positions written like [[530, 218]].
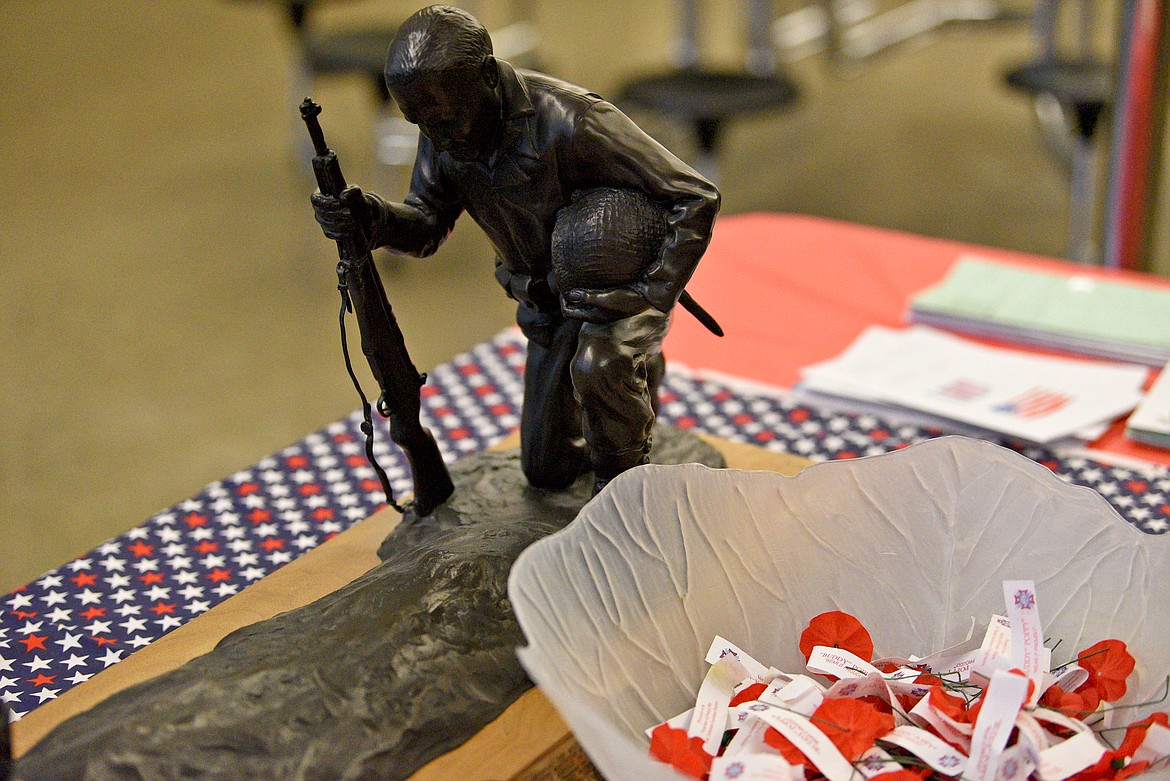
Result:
[[792, 290]]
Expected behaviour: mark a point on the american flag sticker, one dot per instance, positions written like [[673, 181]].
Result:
[[963, 389], [1035, 403]]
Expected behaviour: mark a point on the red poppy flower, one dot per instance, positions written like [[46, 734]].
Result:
[[905, 774], [748, 693], [1077, 704], [1108, 664], [950, 705], [1135, 733], [1110, 767], [852, 726], [673, 747], [836, 630]]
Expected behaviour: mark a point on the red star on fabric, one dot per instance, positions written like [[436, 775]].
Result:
[[247, 488], [207, 546], [141, 550], [297, 462], [93, 612], [355, 461], [485, 390], [272, 543], [159, 608], [322, 514], [104, 641], [308, 489], [34, 642], [370, 485], [25, 615], [219, 575], [151, 578], [259, 515], [42, 680], [84, 579], [195, 519]]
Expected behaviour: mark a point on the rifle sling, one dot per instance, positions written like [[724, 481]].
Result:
[[367, 418]]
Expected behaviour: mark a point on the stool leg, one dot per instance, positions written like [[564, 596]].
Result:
[[1081, 202]]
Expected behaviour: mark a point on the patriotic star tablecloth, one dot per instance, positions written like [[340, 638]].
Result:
[[91, 613]]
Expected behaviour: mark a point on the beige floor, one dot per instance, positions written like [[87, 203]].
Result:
[[169, 307]]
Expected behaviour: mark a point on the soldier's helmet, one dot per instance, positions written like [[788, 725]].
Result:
[[605, 238]]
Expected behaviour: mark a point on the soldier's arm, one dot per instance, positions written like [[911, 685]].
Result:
[[608, 149]]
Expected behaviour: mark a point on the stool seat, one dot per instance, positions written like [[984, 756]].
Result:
[[1084, 85], [708, 97], [350, 51]]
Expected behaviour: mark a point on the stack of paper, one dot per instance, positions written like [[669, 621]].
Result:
[[1034, 398], [1150, 422], [1088, 315]]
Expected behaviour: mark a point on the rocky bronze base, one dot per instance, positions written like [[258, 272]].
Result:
[[370, 682]]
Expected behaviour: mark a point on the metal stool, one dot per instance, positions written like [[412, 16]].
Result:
[[707, 98], [1081, 89]]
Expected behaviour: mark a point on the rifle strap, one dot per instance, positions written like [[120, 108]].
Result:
[[367, 418]]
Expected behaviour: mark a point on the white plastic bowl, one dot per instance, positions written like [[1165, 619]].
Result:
[[620, 607]]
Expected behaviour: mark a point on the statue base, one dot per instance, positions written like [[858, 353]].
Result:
[[371, 681]]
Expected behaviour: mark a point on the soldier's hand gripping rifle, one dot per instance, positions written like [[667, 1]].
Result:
[[382, 341]]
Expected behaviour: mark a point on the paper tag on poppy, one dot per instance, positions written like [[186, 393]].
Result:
[[956, 732], [1059, 719], [802, 694], [813, 743], [825, 660], [873, 685], [1015, 764], [875, 761], [904, 682], [955, 659], [1155, 745], [1071, 677], [995, 652], [721, 649], [997, 716], [1033, 739], [739, 716], [1027, 635], [1069, 756], [754, 767], [749, 737], [928, 747], [709, 720]]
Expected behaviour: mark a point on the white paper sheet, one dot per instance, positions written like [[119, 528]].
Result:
[[1036, 398]]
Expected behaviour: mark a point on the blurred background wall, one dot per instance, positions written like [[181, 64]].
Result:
[[169, 306]]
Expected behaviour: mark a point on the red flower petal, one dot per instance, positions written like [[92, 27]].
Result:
[[1077, 704], [673, 747], [1135, 733], [836, 630], [1109, 665], [950, 705], [748, 693], [852, 726]]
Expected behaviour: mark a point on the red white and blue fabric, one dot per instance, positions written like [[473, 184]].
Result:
[[93, 612]]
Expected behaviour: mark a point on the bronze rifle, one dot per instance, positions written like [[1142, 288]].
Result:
[[381, 338]]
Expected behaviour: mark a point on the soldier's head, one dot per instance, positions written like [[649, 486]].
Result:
[[441, 72]]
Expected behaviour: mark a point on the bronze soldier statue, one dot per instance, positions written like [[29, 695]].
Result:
[[512, 148]]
